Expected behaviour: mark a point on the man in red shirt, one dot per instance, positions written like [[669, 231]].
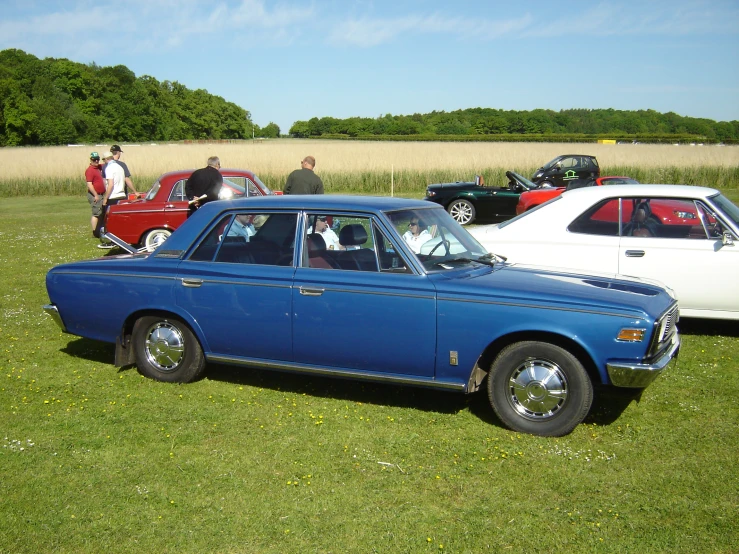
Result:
[[95, 190]]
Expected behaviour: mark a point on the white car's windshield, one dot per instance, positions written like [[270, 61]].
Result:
[[726, 206]]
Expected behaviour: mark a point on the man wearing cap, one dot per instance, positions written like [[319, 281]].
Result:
[[328, 234], [303, 180], [115, 179], [116, 151], [95, 189]]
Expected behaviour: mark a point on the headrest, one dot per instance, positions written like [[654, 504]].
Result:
[[352, 235], [316, 245]]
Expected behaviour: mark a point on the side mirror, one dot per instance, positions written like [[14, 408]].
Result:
[[727, 239]]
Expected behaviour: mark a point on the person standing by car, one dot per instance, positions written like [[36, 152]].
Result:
[[116, 151], [304, 180], [115, 191], [205, 182], [115, 180], [95, 190]]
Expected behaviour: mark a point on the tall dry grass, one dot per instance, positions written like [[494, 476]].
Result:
[[366, 166]]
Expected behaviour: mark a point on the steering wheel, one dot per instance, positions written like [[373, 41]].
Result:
[[446, 244]]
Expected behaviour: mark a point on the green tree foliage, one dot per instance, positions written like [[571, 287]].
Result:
[[57, 101], [271, 130], [487, 121]]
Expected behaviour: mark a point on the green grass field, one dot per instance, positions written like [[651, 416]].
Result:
[[97, 459]]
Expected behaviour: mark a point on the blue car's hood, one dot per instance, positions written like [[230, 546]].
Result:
[[542, 287]]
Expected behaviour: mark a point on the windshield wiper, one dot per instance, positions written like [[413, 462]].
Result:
[[490, 257], [487, 259]]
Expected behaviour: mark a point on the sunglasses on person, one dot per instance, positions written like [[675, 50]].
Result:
[[413, 223]]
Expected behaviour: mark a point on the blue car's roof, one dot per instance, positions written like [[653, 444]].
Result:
[[313, 202], [318, 201]]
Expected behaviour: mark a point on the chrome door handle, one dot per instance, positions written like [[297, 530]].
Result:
[[192, 283], [635, 253], [311, 292], [169, 205]]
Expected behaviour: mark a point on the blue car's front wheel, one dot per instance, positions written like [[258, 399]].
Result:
[[539, 388]]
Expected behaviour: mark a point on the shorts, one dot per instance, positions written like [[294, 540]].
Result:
[[97, 207]]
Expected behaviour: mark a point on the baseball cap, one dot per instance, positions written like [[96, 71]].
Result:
[[107, 155], [94, 156], [116, 148]]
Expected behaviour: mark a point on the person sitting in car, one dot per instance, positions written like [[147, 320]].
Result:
[[417, 234]]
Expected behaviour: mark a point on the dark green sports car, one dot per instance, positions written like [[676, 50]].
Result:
[[467, 201]]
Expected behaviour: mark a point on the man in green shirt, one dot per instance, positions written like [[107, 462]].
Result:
[[303, 180]]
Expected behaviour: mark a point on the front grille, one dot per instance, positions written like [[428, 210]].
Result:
[[667, 324]]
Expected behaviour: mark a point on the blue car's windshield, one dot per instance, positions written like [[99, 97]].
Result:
[[436, 239]]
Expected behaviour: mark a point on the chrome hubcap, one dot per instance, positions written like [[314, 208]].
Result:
[[165, 346], [538, 389], [155, 239]]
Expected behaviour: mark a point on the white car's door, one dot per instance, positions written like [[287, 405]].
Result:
[[681, 246], [703, 273]]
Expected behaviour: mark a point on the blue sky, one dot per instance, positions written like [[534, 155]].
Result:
[[287, 61]]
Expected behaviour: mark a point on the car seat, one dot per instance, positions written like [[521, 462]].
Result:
[[352, 237], [317, 253]]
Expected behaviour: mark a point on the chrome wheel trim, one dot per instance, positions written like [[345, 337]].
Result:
[[461, 212], [165, 346], [155, 238], [538, 389]]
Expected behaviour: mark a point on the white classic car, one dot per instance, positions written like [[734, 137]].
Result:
[[687, 237]]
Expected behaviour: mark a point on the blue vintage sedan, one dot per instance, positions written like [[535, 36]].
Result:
[[380, 289]]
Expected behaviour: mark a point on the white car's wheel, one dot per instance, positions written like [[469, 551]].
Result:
[[154, 238]]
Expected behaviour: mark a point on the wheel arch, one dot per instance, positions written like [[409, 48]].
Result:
[[124, 353], [482, 367]]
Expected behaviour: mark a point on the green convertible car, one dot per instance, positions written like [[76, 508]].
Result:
[[467, 201]]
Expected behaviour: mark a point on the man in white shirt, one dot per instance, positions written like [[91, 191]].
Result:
[[416, 234], [115, 180], [328, 234]]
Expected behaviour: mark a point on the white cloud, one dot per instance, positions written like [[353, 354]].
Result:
[[367, 32]]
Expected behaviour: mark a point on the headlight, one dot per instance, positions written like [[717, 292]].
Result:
[[430, 193], [538, 174]]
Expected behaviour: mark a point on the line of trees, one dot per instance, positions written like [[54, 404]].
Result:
[[57, 101], [487, 122]]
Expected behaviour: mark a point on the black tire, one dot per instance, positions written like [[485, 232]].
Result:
[[539, 388], [463, 211], [167, 350]]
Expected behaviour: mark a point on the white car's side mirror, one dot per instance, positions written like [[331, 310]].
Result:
[[727, 239]]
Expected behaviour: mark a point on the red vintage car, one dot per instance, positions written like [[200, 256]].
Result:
[[533, 198], [149, 220]]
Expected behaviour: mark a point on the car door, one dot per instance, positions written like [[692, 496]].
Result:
[[176, 207], [497, 203], [379, 319], [687, 254], [239, 288]]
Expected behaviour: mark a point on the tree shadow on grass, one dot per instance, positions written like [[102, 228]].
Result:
[[709, 327], [92, 350]]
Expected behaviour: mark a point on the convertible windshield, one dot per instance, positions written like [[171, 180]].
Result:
[[437, 240]]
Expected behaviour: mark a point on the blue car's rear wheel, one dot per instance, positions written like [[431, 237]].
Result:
[[463, 211], [167, 350], [539, 388]]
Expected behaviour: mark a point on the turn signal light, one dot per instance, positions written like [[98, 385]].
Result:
[[631, 335]]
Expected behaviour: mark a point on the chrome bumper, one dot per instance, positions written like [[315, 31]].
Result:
[[639, 376], [54, 313]]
